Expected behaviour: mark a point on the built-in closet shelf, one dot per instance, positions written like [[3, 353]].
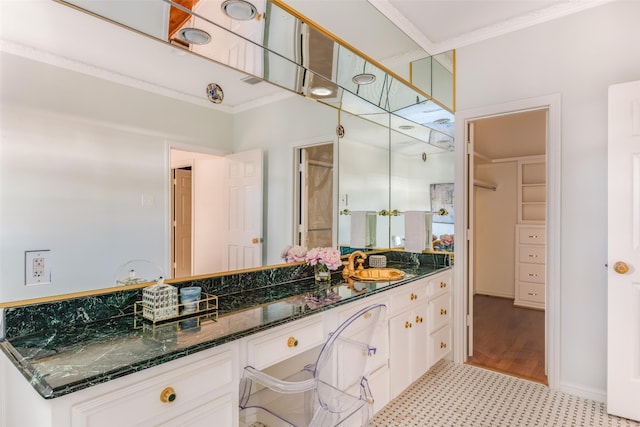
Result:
[[532, 190]]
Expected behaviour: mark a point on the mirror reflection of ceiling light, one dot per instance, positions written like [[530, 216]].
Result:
[[405, 127], [241, 10], [364, 79], [321, 91], [194, 36]]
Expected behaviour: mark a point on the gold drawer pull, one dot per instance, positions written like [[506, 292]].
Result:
[[443, 345], [418, 319], [533, 236], [443, 285], [533, 256], [168, 395], [443, 312], [533, 275], [292, 342], [407, 324], [413, 296], [533, 294]]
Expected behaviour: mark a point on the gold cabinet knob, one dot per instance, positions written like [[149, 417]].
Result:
[[620, 267], [292, 342], [168, 395], [418, 319], [443, 345], [407, 324], [443, 312], [443, 285], [413, 296]]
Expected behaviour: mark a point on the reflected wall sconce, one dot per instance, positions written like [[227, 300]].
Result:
[[215, 93]]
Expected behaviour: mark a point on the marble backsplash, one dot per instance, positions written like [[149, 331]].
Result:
[[235, 292]]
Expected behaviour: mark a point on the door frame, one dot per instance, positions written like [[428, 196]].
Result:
[[168, 146], [461, 267], [322, 140]]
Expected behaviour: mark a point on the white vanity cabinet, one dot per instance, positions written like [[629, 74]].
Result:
[[439, 291], [190, 391], [408, 335], [378, 364]]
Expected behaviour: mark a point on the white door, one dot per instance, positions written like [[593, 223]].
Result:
[[623, 359], [244, 174]]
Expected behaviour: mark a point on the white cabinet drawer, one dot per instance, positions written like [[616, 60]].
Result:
[[285, 342], [531, 254], [167, 396], [532, 235], [532, 292], [407, 296], [439, 345], [531, 273], [440, 283], [439, 312]]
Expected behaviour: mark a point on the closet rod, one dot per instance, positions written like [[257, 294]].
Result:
[[484, 185]]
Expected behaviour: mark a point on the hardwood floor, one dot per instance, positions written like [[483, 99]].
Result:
[[508, 339]]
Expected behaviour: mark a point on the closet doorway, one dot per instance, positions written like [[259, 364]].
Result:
[[507, 257], [314, 216]]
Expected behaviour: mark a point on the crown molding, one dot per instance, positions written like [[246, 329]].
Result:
[[558, 10]]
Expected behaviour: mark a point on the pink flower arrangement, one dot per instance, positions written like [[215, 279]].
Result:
[[294, 253], [327, 256]]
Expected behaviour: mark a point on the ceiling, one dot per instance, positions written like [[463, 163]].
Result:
[[112, 52], [431, 26]]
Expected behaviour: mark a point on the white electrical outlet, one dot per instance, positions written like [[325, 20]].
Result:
[[37, 267]]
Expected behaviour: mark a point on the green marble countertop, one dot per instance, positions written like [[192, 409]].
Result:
[[59, 360]]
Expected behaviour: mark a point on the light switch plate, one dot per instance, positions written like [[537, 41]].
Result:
[[37, 267]]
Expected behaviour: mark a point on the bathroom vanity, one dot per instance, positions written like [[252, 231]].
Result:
[[126, 371]]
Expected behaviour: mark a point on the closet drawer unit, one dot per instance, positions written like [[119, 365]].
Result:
[[532, 292], [531, 273], [439, 312], [284, 343], [532, 236], [439, 345], [407, 296], [531, 254], [439, 284]]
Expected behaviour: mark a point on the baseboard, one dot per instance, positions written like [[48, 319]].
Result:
[[586, 393], [494, 294]]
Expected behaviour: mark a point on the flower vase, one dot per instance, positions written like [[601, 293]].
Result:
[[322, 272]]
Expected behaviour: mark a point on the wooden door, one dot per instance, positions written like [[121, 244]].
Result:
[[244, 175], [470, 237], [181, 222], [623, 359], [316, 198]]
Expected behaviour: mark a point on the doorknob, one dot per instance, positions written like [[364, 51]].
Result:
[[620, 267], [256, 240]]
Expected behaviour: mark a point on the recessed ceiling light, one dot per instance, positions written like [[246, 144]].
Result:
[[194, 36], [364, 79], [321, 91], [241, 10], [405, 127]]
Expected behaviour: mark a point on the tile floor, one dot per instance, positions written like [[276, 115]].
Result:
[[464, 395]]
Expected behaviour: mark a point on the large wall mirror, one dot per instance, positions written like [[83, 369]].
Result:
[[87, 161]]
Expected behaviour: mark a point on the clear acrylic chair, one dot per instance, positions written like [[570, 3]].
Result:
[[327, 393]]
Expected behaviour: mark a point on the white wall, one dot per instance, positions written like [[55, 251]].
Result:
[[579, 57], [277, 128], [494, 227]]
